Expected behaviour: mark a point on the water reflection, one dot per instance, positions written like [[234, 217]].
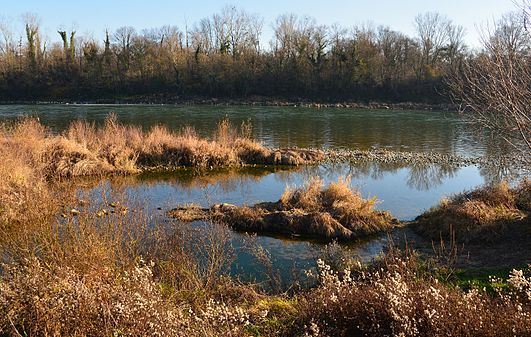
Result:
[[404, 190], [418, 176]]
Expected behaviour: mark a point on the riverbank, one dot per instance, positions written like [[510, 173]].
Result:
[[113, 148]]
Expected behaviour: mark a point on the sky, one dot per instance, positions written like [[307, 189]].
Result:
[[94, 16]]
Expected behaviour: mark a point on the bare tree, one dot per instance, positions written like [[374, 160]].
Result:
[[236, 31], [495, 86], [438, 38], [7, 44], [123, 37], [285, 30], [432, 31]]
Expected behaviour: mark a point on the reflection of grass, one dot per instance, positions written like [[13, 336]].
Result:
[[228, 179]]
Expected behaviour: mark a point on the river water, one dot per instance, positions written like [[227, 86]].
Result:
[[404, 130]]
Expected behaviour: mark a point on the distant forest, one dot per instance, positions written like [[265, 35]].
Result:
[[222, 57]]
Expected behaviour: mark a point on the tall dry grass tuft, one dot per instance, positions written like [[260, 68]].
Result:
[[84, 274], [340, 203], [25, 196], [68, 268], [163, 147], [485, 213]]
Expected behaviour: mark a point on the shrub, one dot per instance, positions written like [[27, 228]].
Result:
[[394, 298]]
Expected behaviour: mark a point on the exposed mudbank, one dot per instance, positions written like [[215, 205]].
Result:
[[334, 212]]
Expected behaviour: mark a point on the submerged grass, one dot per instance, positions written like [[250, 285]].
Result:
[[484, 214]]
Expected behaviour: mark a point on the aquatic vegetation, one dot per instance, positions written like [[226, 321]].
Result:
[[486, 213], [313, 210]]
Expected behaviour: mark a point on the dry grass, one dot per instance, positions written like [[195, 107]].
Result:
[[91, 274], [343, 204], [85, 275], [313, 210], [113, 148], [485, 213]]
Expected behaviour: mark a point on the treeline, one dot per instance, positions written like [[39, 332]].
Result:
[[222, 56]]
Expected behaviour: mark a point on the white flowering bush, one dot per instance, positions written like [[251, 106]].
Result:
[[38, 300], [521, 284], [393, 299]]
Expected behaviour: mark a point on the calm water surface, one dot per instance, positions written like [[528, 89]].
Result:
[[403, 190], [422, 131]]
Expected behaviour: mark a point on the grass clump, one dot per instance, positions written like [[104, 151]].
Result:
[[331, 212], [85, 149], [486, 213], [345, 205]]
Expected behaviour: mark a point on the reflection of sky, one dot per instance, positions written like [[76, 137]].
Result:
[[394, 188]]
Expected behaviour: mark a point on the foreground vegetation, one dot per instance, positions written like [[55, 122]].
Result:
[[86, 275], [334, 212]]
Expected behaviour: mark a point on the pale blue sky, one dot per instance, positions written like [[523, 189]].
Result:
[[95, 16]]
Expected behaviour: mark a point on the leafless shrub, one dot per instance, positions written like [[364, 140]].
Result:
[[393, 299], [495, 85]]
